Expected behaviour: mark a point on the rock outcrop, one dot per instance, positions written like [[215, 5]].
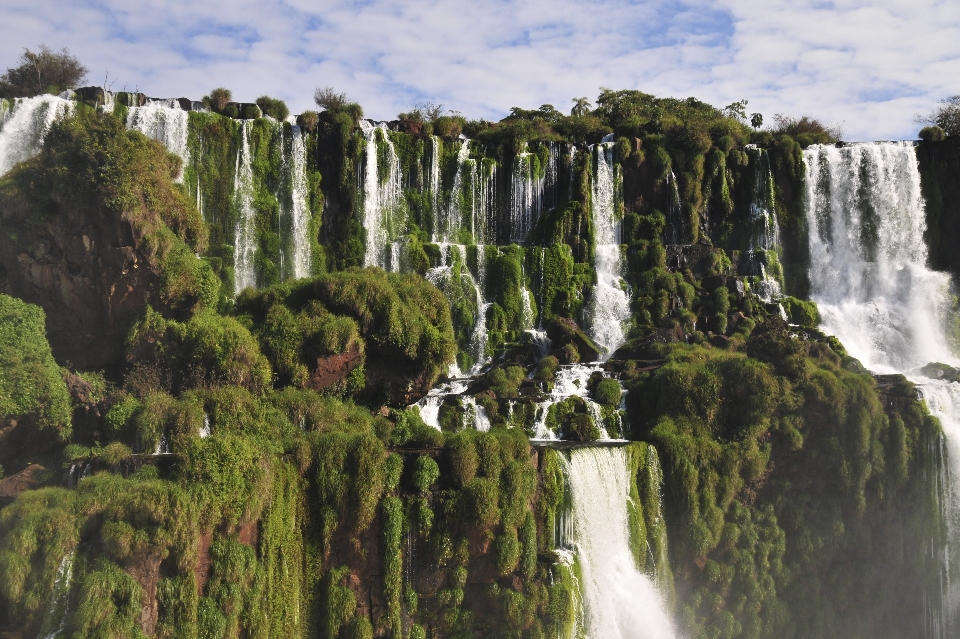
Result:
[[85, 268]]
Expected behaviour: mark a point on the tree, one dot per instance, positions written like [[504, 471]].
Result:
[[45, 71], [736, 110], [581, 106], [756, 120], [218, 99], [946, 116], [329, 100]]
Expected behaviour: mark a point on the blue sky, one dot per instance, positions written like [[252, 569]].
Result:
[[868, 66]]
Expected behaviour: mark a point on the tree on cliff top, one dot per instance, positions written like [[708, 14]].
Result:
[[946, 116], [45, 71], [328, 99]]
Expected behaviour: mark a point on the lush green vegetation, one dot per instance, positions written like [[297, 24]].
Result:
[[31, 383], [302, 498]]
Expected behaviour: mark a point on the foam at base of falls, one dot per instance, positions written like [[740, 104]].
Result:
[[23, 127], [620, 602]]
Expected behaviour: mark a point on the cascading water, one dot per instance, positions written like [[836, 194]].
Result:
[[610, 306], [869, 278], [620, 602], [868, 270], [570, 381], [765, 231], [300, 213], [166, 122], [943, 400], [245, 242], [452, 218], [24, 125], [381, 196], [433, 175], [55, 617]]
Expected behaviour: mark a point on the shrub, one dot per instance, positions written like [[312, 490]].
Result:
[[218, 99], [425, 474], [31, 381], [932, 134], [276, 109]]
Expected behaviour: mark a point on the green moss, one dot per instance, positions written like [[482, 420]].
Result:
[[32, 382], [425, 474]]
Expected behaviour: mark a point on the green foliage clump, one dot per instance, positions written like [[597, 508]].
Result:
[[801, 312], [206, 351], [31, 381], [425, 474], [276, 109], [403, 320]]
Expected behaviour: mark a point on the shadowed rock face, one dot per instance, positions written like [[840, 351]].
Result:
[[88, 271]]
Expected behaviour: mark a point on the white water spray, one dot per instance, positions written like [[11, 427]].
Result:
[[301, 210], [620, 601], [245, 242], [165, 122], [610, 307], [380, 196], [24, 125], [868, 270]]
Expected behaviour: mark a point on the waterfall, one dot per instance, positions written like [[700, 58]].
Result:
[[245, 242], [943, 400], [442, 277], [765, 230], [571, 380], [433, 177], [610, 303], [381, 194], [868, 270], [55, 617], [24, 125], [300, 212], [452, 220], [869, 278], [166, 122], [620, 602]]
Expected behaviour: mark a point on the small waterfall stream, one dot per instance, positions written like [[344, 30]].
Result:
[[300, 213], [55, 617], [381, 193], [245, 242], [610, 307], [620, 602]]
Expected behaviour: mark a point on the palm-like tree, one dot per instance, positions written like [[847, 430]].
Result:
[[581, 107]]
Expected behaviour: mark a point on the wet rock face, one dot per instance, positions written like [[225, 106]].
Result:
[[85, 268]]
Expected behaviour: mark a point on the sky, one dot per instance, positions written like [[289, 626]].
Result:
[[869, 67]]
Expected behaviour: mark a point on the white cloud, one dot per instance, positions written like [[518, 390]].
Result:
[[870, 65]]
